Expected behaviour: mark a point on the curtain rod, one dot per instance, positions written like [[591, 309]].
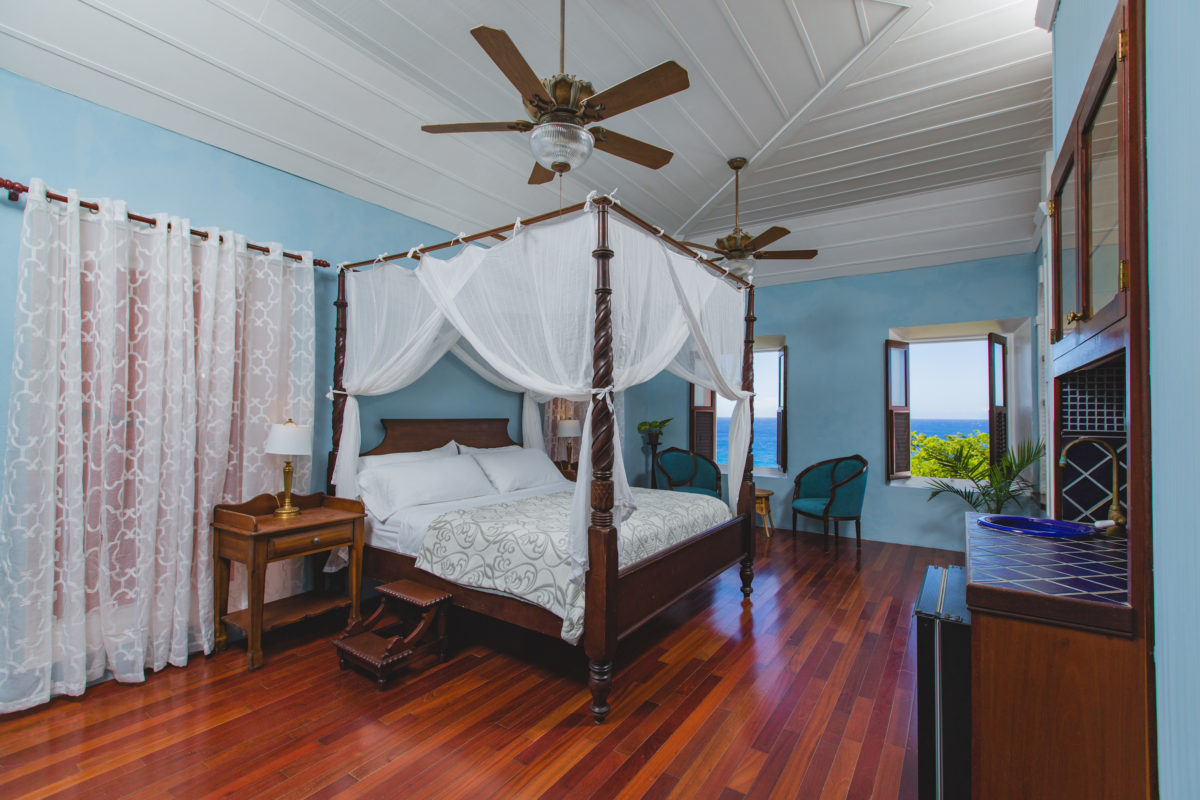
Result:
[[15, 190], [417, 252]]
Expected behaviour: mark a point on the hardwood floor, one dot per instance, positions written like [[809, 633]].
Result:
[[805, 692]]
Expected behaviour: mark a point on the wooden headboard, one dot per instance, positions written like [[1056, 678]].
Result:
[[407, 435]]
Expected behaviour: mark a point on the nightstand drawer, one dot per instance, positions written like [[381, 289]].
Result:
[[295, 543]]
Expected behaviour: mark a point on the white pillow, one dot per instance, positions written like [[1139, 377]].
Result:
[[522, 468], [462, 448], [389, 488], [445, 451]]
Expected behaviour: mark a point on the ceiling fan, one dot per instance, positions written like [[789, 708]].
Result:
[[739, 248], [560, 106]]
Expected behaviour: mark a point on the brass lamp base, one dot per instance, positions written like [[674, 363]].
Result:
[[286, 510]]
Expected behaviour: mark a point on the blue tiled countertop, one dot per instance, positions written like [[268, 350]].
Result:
[[1080, 583]]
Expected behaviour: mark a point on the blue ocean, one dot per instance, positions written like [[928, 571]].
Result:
[[764, 441], [764, 435], [946, 427]]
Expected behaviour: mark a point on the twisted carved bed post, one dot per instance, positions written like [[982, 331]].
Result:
[[600, 623], [339, 369], [746, 498]]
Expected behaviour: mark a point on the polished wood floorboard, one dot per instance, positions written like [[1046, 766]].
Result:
[[807, 691]]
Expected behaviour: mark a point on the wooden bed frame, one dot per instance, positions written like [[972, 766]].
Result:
[[618, 602]]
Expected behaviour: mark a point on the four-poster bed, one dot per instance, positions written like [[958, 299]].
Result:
[[617, 600]]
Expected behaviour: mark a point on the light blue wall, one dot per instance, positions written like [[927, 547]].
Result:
[[1172, 123], [1173, 164], [1078, 30], [835, 331], [71, 143]]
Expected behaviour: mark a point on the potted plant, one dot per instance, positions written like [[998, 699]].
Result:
[[993, 486], [653, 429]]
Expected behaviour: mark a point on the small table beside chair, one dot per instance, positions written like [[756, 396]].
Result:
[[832, 490]]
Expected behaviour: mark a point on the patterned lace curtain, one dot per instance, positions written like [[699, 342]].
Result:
[[148, 367]]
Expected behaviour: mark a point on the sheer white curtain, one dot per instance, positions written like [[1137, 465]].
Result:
[[147, 369]]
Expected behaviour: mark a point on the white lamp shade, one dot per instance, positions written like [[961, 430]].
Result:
[[289, 439], [569, 429]]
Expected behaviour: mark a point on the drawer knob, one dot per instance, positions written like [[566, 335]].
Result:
[[316, 540]]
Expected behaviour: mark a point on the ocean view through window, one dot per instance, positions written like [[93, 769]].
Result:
[[770, 412]]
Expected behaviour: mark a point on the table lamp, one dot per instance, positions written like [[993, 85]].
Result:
[[569, 429], [288, 439]]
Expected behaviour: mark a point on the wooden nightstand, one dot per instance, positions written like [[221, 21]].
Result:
[[250, 533], [568, 470]]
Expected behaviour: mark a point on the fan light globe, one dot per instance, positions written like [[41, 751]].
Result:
[[561, 146], [742, 267]]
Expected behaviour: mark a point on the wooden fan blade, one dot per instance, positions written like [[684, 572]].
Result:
[[767, 237], [653, 84], [540, 174], [479, 127], [698, 246], [634, 150], [508, 58], [798, 255]]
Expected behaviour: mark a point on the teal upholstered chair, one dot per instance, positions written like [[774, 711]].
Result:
[[832, 490], [689, 472]]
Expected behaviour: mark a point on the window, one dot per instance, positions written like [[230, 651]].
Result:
[[952, 383], [709, 415]]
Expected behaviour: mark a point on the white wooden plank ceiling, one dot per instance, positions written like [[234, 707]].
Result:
[[844, 107]]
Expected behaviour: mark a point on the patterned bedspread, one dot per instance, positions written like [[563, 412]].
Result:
[[520, 547]]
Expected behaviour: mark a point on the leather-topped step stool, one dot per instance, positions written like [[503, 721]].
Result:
[[387, 651]]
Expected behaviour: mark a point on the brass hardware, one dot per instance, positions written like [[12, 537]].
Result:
[[1123, 275], [1074, 316], [286, 509], [1114, 508], [1051, 210], [316, 540], [1122, 45]]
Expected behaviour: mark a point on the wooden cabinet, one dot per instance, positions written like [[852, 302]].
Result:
[[1098, 210], [250, 533]]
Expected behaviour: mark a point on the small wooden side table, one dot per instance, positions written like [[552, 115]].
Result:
[[762, 507], [251, 534]]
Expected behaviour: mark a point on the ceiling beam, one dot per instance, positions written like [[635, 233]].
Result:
[[892, 31]]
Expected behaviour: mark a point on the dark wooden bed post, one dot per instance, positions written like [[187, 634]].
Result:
[[746, 497], [600, 616], [339, 369]]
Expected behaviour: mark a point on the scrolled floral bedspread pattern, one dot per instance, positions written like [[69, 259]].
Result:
[[520, 547]]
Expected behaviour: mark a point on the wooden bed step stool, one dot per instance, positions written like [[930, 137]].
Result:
[[418, 630]]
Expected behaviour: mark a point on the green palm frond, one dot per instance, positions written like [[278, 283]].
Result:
[[995, 485]]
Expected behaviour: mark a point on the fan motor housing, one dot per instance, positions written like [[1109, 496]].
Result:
[[734, 245], [569, 95]]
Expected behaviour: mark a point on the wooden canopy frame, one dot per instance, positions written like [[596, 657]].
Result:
[[665, 578]]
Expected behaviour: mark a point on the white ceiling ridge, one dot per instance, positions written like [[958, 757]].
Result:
[[806, 41], [758, 185], [920, 112], [699, 64], [917, 232], [196, 108], [957, 79], [918, 132], [877, 210], [864, 27], [897, 25], [966, 51], [958, 21], [784, 215], [740, 35], [748, 207], [1014, 247]]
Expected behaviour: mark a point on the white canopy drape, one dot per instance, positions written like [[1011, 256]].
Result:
[[394, 335], [525, 309]]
